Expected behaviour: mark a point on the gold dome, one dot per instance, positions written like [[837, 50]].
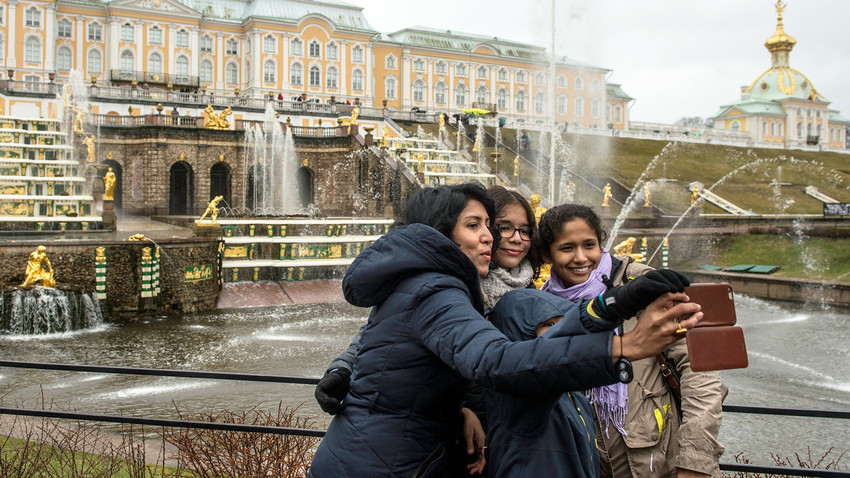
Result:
[[780, 41]]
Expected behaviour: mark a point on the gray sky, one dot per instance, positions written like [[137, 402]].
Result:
[[676, 57]]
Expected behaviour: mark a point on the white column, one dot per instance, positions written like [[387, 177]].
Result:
[[494, 86], [11, 42], [139, 41], [451, 92], [511, 92], [344, 80], [369, 74], [257, 57], [195, 47], [219, 61], [50, 38], [80, 43], [170, 48], [429, 84], [112, 38], [405, 80], [284, 63]]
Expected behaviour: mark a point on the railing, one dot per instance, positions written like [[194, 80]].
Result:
[[740, 467], [24, 86], [154, 78]]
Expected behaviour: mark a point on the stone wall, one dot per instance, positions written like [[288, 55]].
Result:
[[74, 263]]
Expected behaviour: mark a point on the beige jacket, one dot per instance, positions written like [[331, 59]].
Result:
[[657, 443]]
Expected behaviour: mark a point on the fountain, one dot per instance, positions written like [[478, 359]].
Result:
[[46, 310], [270, 169]]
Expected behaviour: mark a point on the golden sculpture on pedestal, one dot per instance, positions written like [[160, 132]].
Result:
[[647, 195], [606, 192], [625, 249], [384, 132], [137, 237], [516, 166], [89, 142], [36, 271], [694, 194], [212, 210], [534, 202], [109, 185], [79, 120], [354, 113], [217, 121]]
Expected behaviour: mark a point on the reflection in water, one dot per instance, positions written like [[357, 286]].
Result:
[[797, 359]]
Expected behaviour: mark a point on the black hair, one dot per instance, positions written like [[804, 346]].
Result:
[[441, 206], [554, 219], [503, 198]]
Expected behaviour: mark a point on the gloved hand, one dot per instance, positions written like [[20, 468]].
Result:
[[331, 389], [627, 300]]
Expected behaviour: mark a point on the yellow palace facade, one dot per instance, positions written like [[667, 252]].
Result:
[[316, 50]]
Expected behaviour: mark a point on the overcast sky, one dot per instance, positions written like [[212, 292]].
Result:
[[676, 57]]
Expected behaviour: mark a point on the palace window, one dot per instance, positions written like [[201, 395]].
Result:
[[295, 45], [269, 44], [502, 99], [539, 103], [520, 77], [799, 129], [332, 51], [206, 71], [268, 71], [539, 79], [419, 91], [562, 105], [296, 74], [154, 63], [618, 114], [357, 80], [63, 59], [155, 35], [482, 95], [482, 72], [128, 61], [562, 81], [594, 85], [390, 62], [315, 49], [440, 68], [594, 107], [440, 93], [503, 75], [419, 64], [460, 94], [315, 76], [206, 44], [332, 78], [127, 32], [95, 32], [357, 54], [231, 46], [521, 98], [94, 62], [579, 106], [32, 51], [390, 87], [231, 74], [460, 69], [579, 83], [33, 17], [181, 66], [63, 29], [182, 39]]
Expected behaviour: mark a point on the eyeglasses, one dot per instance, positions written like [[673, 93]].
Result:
[[507, 231]]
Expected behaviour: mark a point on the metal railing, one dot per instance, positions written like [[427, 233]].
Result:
[[737, 467]]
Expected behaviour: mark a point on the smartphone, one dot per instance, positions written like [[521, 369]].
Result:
[[717, 302], [717, 348]]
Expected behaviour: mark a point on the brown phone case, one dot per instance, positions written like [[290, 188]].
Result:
[[717, 348], [718, 305]]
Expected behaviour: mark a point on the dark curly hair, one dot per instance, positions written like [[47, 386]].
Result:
[[503, 198], [554, 219], [441, 206]]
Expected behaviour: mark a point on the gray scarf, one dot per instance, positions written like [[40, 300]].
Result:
[[500, 281]]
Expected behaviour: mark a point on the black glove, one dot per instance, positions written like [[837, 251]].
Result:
[[627, 300], [331, 389]]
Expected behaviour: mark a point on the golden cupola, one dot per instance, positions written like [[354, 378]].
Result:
[[780, 44]]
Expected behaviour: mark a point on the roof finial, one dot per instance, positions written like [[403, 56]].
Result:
[[779, 7]]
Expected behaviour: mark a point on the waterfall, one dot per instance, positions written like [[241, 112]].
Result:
[[45, 310]]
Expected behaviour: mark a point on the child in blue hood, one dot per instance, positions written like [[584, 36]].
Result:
[[541, 435]]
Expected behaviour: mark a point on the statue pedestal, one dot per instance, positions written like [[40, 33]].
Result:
[[207, 230], [108, 214], [648, 211], [606, 211]]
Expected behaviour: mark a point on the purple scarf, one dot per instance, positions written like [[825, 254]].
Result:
[[611, 401]]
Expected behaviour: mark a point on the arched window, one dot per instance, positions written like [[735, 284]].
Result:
[[539, 104], [594, 85], [63, 29], [482, 94], [357, 80], [181, 66], [809, 129], [389, 63], [95, 32], [780, 129], [735, 126], [206, 75], [440, 93], [182, 38], [820, 130], [562, 104], [521, 98], [579, 107], [231, 74], [154, 63], [503, 75], [206, 44], [231, 47], [618, 114], [460, 69], [594, 107], [562, 81], [128, 61], [33, 50], [315, 49], [295, 45], [63, 59], [332, 78], [520, 77], [33, 17], [539, 79], [482, 72], [155, 35], [460, 94], [773, 128], [579, 83], [315, 76], [268, 71], [390, 88], [419, 64], [127, 32], [269, 44], [440, 68], [764, 128], [296, 74], [799, 129], [357, 54], [94, 62], [332, 51], [419, 91], [502, 99]]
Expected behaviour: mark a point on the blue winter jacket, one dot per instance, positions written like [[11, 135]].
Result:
[[425, 338], [552, 434]]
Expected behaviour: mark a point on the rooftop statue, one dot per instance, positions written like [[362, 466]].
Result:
[[36, 272]]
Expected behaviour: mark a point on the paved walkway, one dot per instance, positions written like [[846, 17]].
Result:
[[236, 295]]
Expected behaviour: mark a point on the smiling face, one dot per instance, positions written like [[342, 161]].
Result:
[[512, 250], [472, 234], [575, 252]]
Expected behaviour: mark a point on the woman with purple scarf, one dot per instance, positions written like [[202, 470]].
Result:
[[641, 429]]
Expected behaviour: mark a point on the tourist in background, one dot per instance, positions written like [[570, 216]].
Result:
[[640, 433], [426, 338]]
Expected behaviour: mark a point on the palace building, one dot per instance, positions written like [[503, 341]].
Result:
[[781, 107], [323, 50]]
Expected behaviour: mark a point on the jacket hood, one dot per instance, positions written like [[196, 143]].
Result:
[[403, 252], [519, 312]]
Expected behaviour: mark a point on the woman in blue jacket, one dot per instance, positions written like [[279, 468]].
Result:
[[426, 338]]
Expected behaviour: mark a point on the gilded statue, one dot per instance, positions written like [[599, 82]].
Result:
[[354, 114], [137, 237], [625, 249], [212, 210], [217, 121], [109, 185], [606, 192], [36, 270], [79, 121], [534, 202], [442, 121], [695, 194], [89, 142], [516, 166], [384, 132], [222, 118], [647, 195]]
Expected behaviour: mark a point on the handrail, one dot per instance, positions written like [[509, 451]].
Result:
[[740, 467]]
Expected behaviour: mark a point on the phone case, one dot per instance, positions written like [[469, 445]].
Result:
[[717, 348], [717, 301]]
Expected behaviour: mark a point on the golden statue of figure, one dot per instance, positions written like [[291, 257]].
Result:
[[89, 142], [534, 202], [36, 272], [625, 249], [217, 121], [647, 195], [354, 113], [222, 118], [442, 120], [475, 146], [384, 132], [695, 194], [137, 237], [109, 185], [212, 210], [419, 157], [516, 166], [606, 192], [79, 121]]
